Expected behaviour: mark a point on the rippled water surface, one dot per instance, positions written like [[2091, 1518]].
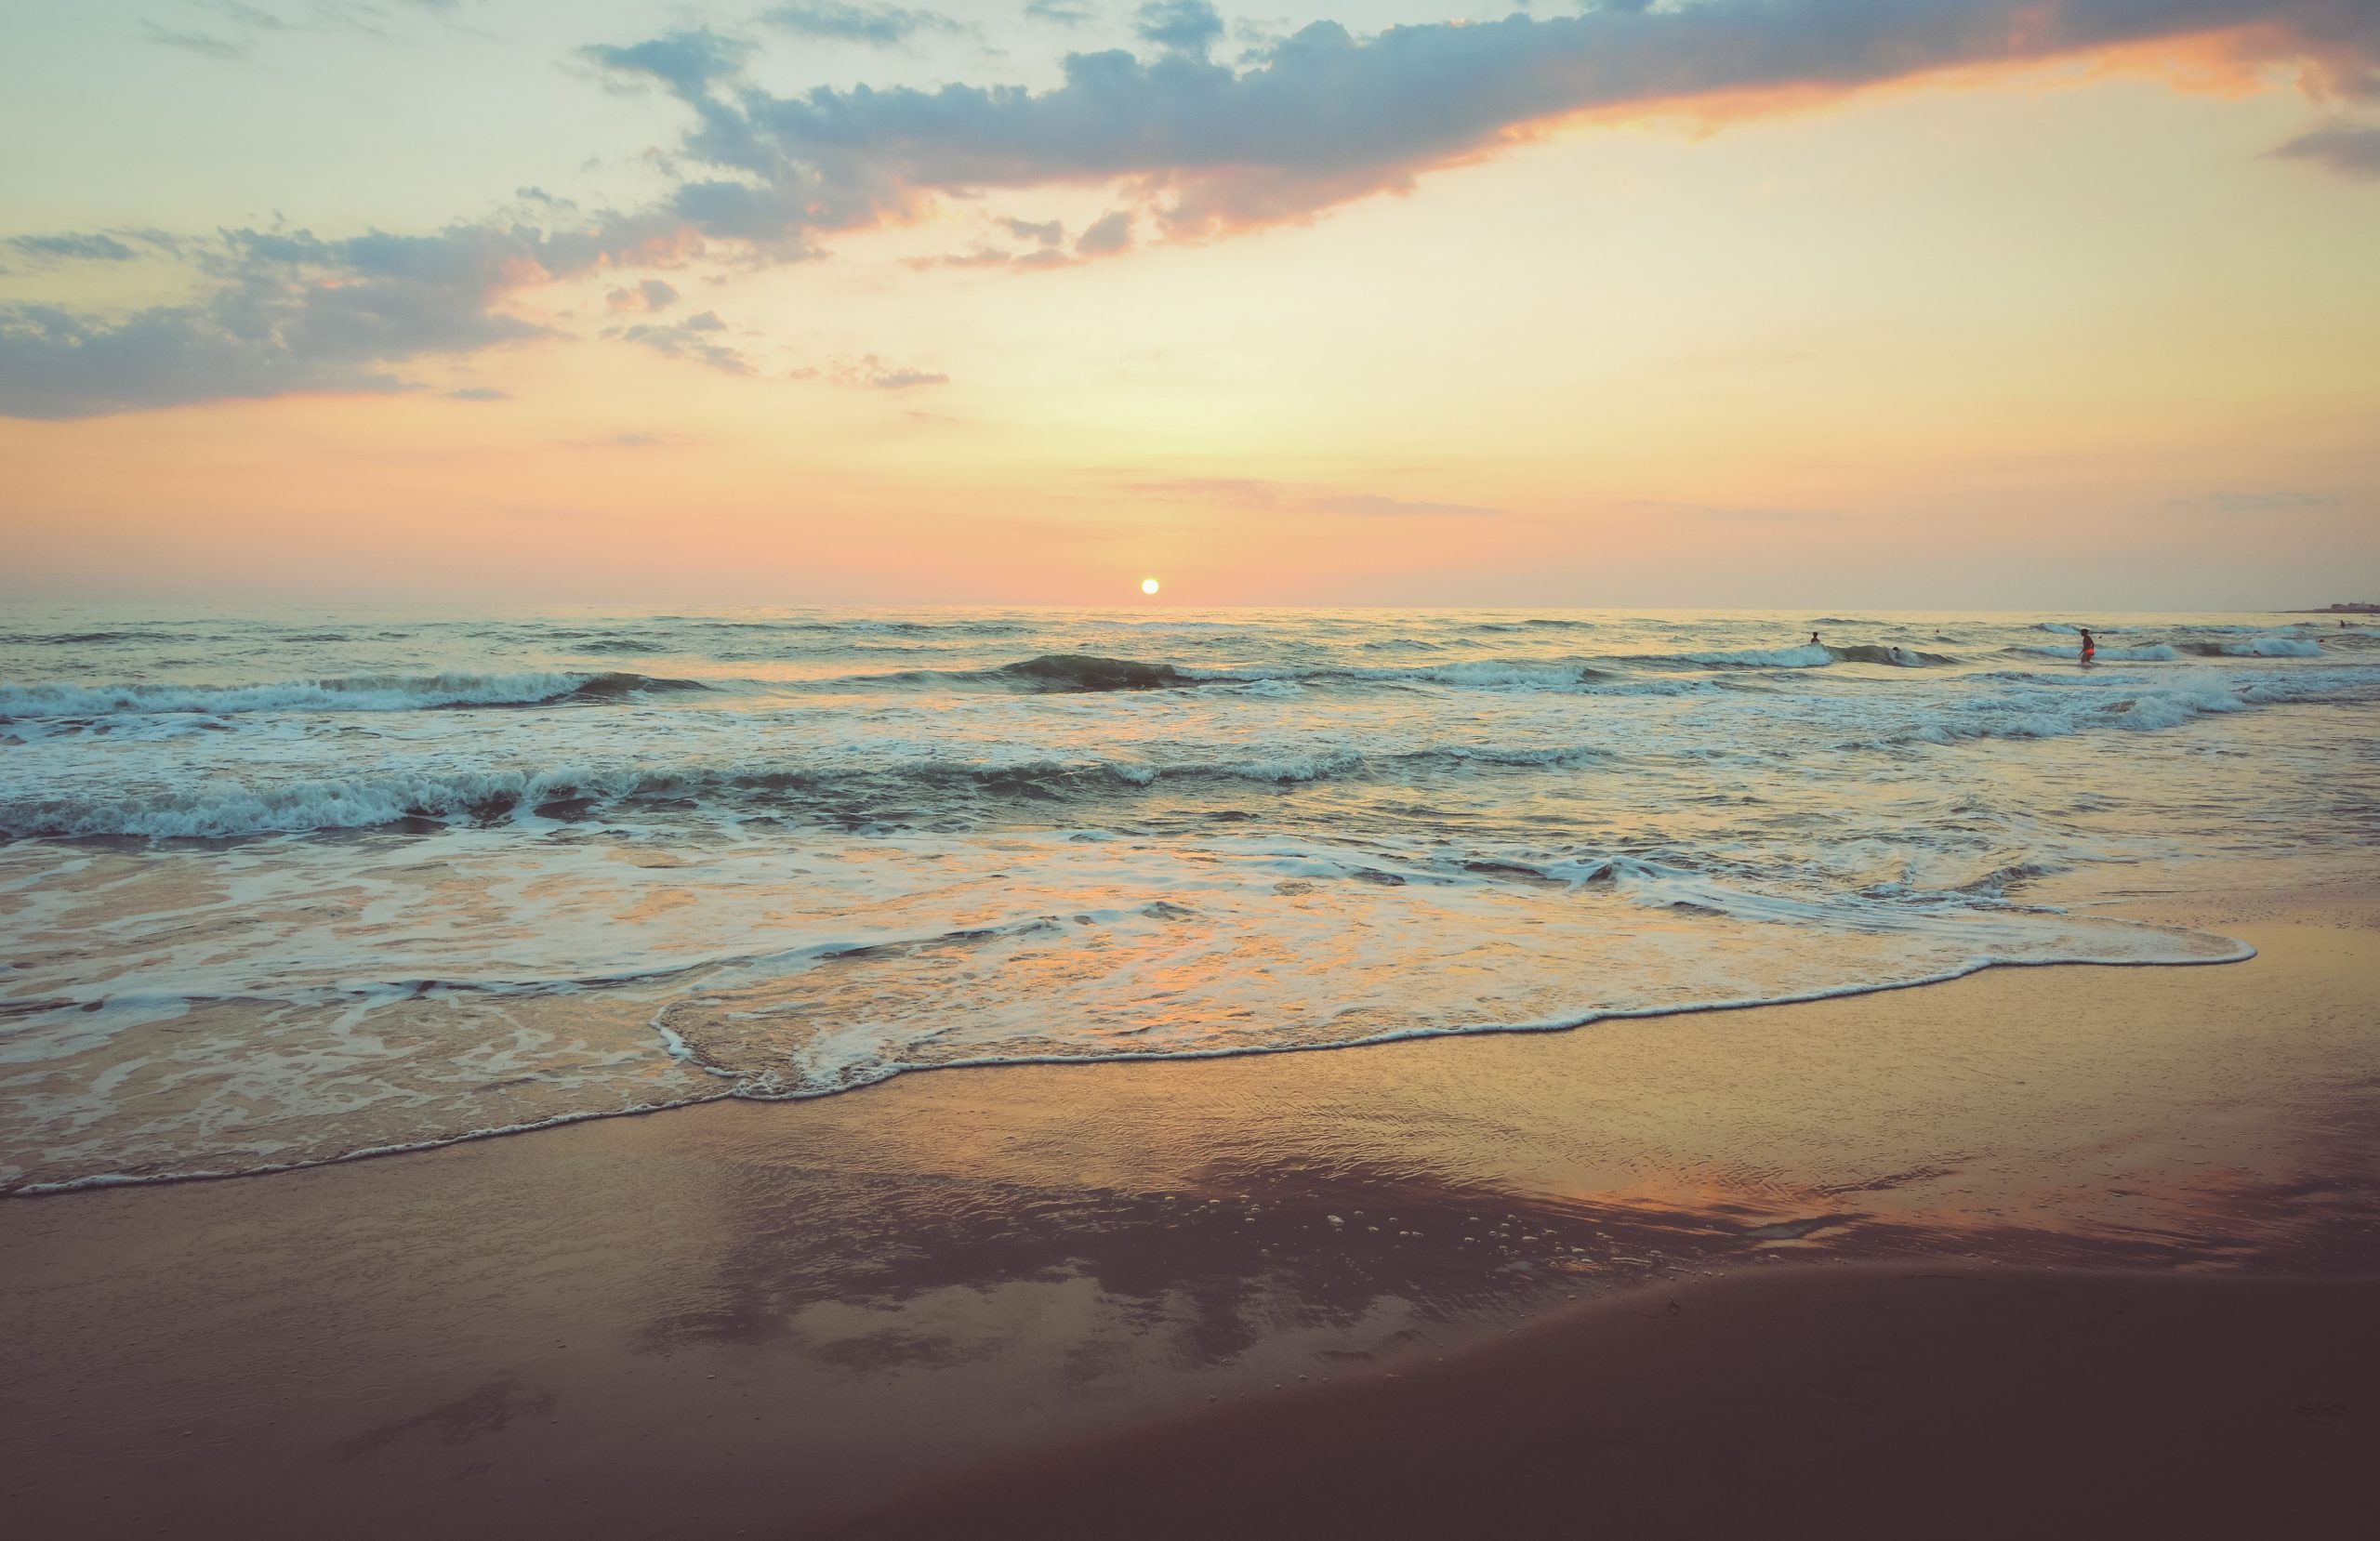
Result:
[[277, 890]]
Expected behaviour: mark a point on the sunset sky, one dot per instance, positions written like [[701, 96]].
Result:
[[1902, 303]]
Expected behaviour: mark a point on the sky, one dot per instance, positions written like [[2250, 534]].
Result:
[[2031, 304]]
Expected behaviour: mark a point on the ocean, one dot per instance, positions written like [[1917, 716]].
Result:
[[277, 890]]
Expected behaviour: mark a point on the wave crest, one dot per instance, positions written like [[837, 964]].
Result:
[[362, 693], [1084, 671]]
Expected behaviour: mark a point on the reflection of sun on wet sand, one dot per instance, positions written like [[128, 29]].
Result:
[[780, 1317]]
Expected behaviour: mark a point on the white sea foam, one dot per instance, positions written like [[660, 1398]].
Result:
[[2154, 652], [741, 765], [377, 694], [1809, 655], [1268, 834]]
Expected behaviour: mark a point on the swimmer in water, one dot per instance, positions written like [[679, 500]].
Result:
[[2089, 647], [1814, 640]]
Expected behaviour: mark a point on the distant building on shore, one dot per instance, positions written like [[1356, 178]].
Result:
[[2357, 607]]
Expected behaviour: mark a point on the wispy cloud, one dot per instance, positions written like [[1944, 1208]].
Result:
[[877, 26], [240, 26], [1737, 514], [1248, 492], [695, 337], [73, 247], [631, 438], [194, 42], [652, 295], [2264, 501], [2351, 150], [872, 373]]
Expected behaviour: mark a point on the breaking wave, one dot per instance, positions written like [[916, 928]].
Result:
[[364, 693], [2167, 653], [2258, 647], [502, 796], [1082, 671], [1056, 835], [2156, 652], [839, 788], [1066, 673], [1816, 655]]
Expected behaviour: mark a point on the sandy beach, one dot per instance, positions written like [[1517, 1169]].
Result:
[[784, 1318], [856, 770], [1885, 1401]]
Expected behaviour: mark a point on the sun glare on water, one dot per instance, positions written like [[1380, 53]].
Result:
[[1148, 585]]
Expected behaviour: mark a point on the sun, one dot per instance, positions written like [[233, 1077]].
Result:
[[1148, 585]]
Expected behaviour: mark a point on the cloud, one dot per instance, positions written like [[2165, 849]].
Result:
[[286, 312], [651, 294], [1042, 260], [197, 43], [2348, 148], [691, 338], [73, 247], [630, 440], [1374, 505], [1325, 117], [982, 256], [1193, 148], [873, 374], [479, 393], [1750, 514], [878, 26], [248, 23], [1247, 493], [1048, 236], [253, 16], [686, 60], [1181, 26], [1063, 13], [1109, 233]]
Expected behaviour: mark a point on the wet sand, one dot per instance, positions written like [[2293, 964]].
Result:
[[768, 1318], [1884, 1400]]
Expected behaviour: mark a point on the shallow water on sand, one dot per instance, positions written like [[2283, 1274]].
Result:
[[274, 891]]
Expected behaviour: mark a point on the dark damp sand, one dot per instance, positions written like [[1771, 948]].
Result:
[[757, 1319], [1884, 1400]]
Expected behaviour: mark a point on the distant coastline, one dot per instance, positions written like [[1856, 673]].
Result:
[[2359, 607]]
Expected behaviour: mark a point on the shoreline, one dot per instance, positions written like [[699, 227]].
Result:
[[762, 1317], [2243, 953]]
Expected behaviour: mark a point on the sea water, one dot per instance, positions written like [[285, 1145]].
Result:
[[277, 890]]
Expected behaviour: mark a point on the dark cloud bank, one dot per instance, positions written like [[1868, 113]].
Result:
[[1203, 148]]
